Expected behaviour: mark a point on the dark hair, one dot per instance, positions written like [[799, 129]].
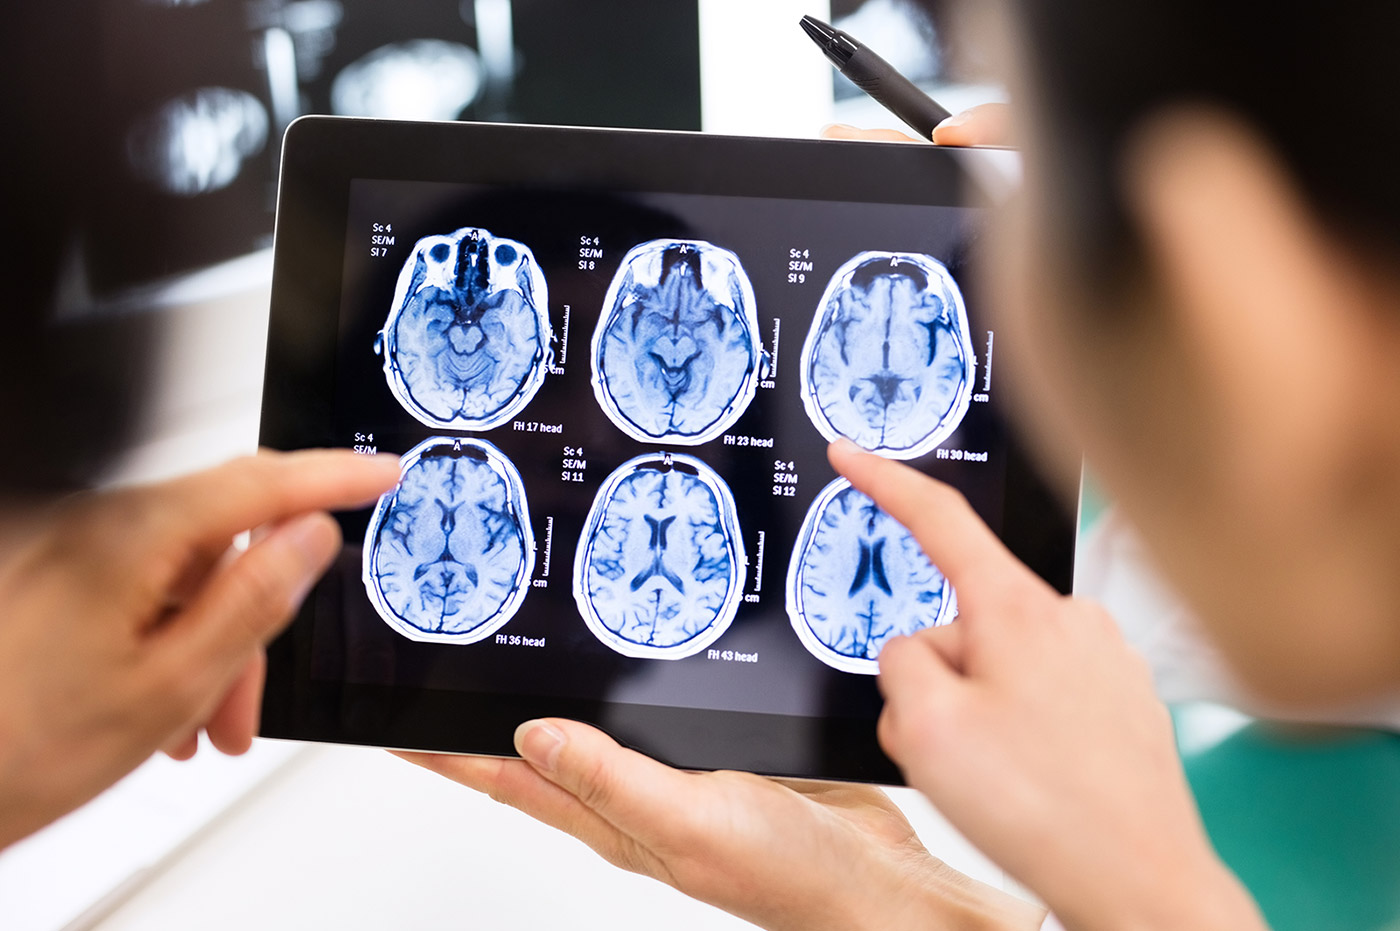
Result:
[[69, 387], [1317, 80]]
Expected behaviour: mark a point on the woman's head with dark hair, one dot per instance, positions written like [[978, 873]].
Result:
[[71, 384], [1314, 80], [1201, 281]]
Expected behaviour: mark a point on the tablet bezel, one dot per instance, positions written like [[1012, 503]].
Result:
[[321, 156]]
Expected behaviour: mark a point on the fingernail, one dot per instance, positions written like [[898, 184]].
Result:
[[957, 119], [844, 445], [539, 743], [387, 462]]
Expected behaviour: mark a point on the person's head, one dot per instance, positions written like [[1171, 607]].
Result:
[[71, 383], [1202, 280]]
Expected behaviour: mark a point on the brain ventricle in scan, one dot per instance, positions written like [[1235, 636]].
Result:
[[857, 578], [660, 566], [449, 553], [888, 360], [467, 343], [676, 353]]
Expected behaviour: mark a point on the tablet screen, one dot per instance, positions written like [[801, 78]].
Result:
[[612, 409]]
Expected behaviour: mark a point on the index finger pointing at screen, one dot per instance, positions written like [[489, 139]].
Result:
[[273, 486], [951, 534]]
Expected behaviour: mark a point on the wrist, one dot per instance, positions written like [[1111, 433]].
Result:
[[930, 894], [1203, 895], [955, 900]]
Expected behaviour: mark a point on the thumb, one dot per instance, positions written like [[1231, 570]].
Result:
[[920, 686], [984, 124], [245, 604], [634, 793]]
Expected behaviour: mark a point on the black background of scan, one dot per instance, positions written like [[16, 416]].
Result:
[[351, 643]]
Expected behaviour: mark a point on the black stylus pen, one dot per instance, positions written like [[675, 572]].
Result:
[[877, 77]]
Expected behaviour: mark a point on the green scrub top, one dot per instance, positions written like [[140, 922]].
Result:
[[1307, 817]]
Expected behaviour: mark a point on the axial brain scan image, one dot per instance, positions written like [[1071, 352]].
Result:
[[676, 354], [449, 552], [858, 578], [660, 566], [888, 360], [467, 342]]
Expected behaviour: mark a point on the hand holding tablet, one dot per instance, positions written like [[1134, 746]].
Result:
[[810, 855], [611, 362]]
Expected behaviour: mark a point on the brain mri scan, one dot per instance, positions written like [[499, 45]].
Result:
[[467, 342], [858, 578], [676, 354], [888, 361], [449, 553], [660, 566]]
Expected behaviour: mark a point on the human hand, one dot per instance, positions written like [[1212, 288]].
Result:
[[804, 856], [985, 124], [1035, 729], [127, 624]]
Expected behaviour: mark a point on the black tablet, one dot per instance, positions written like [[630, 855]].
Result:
[[611, 363]]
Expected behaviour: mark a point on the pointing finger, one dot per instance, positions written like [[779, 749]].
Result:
[[951, 534], [215, 505]]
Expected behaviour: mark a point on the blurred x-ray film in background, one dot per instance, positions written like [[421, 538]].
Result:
[[191, 97], [918, 39], [194, 95]]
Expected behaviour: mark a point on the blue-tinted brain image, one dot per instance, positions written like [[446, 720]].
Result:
[[449, 552], [888, 360], [467, 342], [660, 566], [676, 353], [858, 578]]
